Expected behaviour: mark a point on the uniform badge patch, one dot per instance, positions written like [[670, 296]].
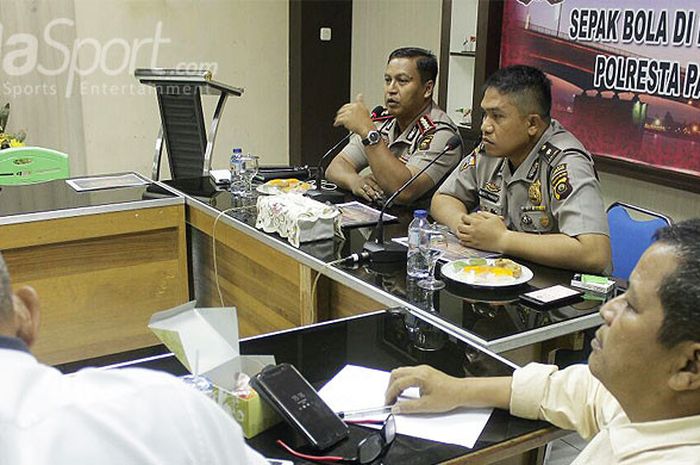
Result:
[[469, 162], [544, 221], [425, 143], [561, 186], [492, 187], [534, 192]]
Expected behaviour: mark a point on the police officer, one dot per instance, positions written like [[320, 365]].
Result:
[[530, 189], [408, 137]]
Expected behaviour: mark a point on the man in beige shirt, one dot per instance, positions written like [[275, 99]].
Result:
[[638, 399], [404, 141]]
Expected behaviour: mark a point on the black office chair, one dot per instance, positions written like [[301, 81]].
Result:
[[179, 101]]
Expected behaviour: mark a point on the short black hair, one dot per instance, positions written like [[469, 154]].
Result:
[[425, 61], [679, 291], [530, 87]]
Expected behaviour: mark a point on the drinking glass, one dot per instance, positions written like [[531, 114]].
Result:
[[433, 248], [248, 168]]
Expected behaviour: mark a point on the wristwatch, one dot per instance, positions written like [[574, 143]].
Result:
[[373, 138]]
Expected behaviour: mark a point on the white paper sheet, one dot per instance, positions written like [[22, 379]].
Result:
[[355, 388]]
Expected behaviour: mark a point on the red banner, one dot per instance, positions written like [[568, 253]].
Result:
[[626, 79]]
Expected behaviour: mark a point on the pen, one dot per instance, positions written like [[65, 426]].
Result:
[[365, 412]]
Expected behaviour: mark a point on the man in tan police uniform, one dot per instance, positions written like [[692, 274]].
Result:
[[412, 132], [529, 176]]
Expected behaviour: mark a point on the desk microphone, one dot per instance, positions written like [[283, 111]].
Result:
[[390, 252], [377, 114]]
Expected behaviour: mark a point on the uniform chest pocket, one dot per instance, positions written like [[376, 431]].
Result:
[[536, 222]]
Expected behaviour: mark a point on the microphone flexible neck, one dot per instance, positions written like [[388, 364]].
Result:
[[379, 229]]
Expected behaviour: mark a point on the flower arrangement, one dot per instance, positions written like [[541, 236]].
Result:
[[7, 139]]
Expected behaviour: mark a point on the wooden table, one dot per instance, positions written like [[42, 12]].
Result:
[[102, 263]]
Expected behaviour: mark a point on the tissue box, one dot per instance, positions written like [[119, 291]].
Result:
[[205, 340], [251, 412], [297, 218]]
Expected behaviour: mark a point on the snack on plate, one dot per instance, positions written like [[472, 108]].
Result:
[[500, 270], [288, 185], [509, 264]]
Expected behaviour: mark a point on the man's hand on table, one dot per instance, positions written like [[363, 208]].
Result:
[[438, 392], [441, 393], [482, 230], [367, 188]]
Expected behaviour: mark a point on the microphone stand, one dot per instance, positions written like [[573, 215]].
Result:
[[332, 196], [390, 252]]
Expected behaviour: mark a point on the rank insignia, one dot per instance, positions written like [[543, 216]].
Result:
[[549, 151], [425, 124], [469, 162], [492, 187], [534, 192], [412, 134], [544, 221], [561, 187], [425, 143]]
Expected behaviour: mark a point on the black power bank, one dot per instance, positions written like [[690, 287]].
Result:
[[286, 390]]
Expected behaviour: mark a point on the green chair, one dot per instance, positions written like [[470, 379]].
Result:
[[29, 165]]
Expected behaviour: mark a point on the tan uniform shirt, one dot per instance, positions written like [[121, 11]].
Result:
[[416, 145], [554, 190], [574, 399]]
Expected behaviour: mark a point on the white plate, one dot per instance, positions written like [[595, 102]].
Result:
[[274, 190], [453, 271]]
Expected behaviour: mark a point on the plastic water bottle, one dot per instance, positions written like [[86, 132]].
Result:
[[417, 264], [237, 181]]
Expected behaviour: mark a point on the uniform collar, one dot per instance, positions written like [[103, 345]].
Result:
[[412, 132], [13, 343], [629, 439], [529, 168]]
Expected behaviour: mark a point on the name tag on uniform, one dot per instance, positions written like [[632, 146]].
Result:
[[483, 193]]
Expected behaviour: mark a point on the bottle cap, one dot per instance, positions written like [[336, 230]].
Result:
[[420, 214]]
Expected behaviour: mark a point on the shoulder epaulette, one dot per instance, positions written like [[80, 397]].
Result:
[[549, 152], [425, 124]]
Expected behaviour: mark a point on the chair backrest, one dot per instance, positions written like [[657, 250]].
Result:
[[630, 237], [29, 165]]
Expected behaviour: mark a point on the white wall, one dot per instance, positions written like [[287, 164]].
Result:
[[382, 26], [677, 204], [245, 40], [96, 111]]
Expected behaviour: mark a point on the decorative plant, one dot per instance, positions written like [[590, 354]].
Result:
[[7, 139]]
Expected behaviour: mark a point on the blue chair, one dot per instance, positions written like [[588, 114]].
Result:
[[630, 237]]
